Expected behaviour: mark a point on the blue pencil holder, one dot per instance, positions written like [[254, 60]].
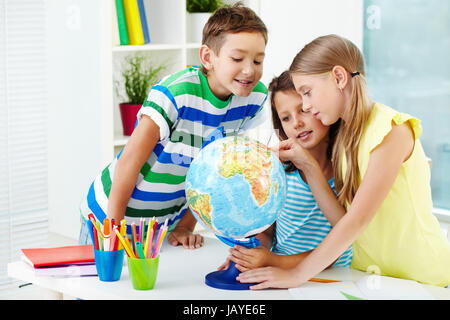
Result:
[[109, 264]]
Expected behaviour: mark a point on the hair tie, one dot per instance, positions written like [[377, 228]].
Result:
[[354, 73]]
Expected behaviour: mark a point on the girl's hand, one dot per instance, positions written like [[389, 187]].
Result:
[[247, 259], [291, 150], [225, 265], [270, 277]]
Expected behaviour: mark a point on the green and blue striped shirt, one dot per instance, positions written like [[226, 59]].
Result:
[[187, 112]]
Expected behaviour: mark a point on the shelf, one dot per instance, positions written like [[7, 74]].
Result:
[[120, 140], [193, 45], [149, 47]]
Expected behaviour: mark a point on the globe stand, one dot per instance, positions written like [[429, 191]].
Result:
[[226, 279]]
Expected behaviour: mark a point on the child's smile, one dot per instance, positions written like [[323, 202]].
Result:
[[238, 66]]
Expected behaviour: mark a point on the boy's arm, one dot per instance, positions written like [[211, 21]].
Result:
[[136, 152]]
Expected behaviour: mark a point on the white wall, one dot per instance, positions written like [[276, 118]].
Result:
[[74, 112], [294, 23]]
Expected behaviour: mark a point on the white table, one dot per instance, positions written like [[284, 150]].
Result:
[[181, 276]]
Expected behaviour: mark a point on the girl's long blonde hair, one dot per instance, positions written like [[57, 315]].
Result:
[[321, 56]]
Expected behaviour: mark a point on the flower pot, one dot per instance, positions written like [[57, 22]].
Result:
[[196, 22], [128, 113]]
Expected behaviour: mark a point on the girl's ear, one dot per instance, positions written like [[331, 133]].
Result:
[[340, 76], [206, 57]]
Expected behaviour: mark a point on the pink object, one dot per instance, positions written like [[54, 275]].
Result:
[[128, 113]]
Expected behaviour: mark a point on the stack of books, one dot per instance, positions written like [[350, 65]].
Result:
[[61, 261], [130, 25]]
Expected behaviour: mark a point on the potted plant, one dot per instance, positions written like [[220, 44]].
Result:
[[199, 12], [138, 75]]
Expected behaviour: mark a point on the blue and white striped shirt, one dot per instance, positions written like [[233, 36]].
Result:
[[301, 225]]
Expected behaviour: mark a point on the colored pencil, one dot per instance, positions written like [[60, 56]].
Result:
[[161, 241], [152, 235], [140, 251], [140, 230], [133, 228], [124, 244], [100, 235], [123, 230], [95, 223], [93, 234], [157, 241], [107, 233], [323, 280], [147, 238]]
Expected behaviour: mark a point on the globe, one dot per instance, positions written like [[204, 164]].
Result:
[[235, 187]]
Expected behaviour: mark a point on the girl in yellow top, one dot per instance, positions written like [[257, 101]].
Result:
[[381, 175]]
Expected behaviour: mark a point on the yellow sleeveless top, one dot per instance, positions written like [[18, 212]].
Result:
[[404, 239]]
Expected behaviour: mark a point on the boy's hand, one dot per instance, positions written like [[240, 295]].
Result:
[[247, 259], [185, 237]]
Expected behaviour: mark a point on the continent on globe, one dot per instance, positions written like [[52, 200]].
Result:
[[236, 187], [200, 204], [255, 166]]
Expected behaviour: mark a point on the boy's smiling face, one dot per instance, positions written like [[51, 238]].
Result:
[[238, 66]]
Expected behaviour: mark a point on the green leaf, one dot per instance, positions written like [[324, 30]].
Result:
[[138, 75], [203, 5]]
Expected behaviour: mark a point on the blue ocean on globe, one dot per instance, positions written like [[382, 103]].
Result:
[[236, 187]]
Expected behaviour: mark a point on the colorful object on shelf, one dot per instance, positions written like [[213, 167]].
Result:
[[134, 26], [121, 22]]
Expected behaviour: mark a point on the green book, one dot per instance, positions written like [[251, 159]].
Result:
[[123, 33]]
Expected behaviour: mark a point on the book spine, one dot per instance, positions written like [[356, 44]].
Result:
[[135, 34], [144, 24], [121, 21], [115, 25]]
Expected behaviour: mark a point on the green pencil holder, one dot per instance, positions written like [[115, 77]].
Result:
[[143, 272]]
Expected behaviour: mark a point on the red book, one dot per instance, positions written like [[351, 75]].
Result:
[[42, 257]]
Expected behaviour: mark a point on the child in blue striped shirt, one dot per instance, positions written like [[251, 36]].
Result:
[[307, 217]]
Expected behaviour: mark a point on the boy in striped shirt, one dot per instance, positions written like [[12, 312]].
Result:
[[147, 179]]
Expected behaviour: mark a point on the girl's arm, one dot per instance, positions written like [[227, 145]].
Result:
[[384, 164], [247, 259], [136, 152], [323, 194], [266, 237]]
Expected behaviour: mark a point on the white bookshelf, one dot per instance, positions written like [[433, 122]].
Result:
[[168, 43]]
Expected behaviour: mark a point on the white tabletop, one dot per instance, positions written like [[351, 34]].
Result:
[[181, 276]]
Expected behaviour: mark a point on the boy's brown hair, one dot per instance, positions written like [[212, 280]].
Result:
[[230, 19], [284, 83]]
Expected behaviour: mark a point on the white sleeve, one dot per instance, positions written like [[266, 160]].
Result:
[[159, 120], [259, 118]]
